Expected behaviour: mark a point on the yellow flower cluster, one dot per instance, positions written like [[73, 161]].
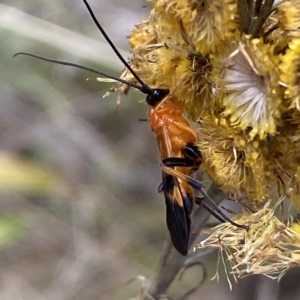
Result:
[[235, 69], [234, 66], [264, 249]]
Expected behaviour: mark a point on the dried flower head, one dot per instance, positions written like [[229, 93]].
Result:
[[269, 247], [252, 97], [290, 74], [289, 17], [234, 67], [198, 23]]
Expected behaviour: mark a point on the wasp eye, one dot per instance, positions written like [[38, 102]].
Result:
[[156, 94]]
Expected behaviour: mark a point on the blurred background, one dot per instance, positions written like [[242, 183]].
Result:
[[80, 215]]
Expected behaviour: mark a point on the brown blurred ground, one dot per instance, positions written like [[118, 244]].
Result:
[[80, 214]]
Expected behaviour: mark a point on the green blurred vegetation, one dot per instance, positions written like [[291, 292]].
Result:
[[72, 165], [11, 227]]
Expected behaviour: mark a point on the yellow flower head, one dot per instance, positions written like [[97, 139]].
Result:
[[234, 68], [290, 74], [264, 249], [197, 23], [251, 93], [289, 17], [234, 164]]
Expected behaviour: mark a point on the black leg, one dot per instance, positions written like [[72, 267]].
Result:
[[160, 188], [192, 159], [200, 201], [178, 162], [192, 152], [197, 185]]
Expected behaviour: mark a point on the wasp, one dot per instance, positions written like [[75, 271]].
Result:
[[176, 140]]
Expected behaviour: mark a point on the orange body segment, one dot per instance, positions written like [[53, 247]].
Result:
[[173, 132]]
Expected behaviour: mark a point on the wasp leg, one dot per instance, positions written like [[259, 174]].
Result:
[[192, 151], [197, 186], [178, 162], [177, 213], [200, 201], [192, 159], [160, 188]]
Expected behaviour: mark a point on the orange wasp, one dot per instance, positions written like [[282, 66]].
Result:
[[179, 154], [180, 159]]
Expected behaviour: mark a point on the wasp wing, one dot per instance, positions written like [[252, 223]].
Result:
[[178, 209]]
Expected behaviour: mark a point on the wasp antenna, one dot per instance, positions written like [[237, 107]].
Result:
[[145, 88], [65, 63]]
